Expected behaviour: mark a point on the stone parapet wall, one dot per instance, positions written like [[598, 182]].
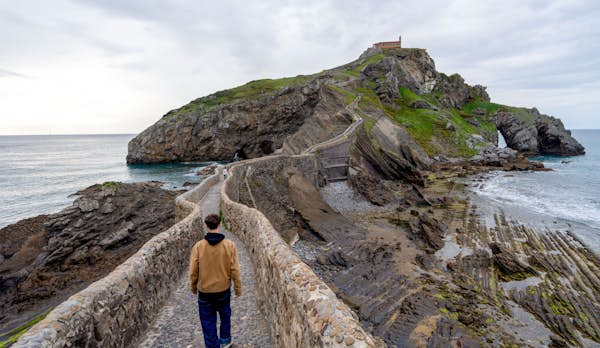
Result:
[[301, 309], [116, 309]]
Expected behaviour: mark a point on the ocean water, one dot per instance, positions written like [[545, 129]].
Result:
[[39, 173], [567, 198]]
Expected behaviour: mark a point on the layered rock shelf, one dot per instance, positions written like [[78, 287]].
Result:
[[51, 257]]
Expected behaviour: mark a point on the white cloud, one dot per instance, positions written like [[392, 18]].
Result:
[[115, 66]]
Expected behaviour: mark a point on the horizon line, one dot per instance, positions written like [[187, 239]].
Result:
[[62, 134], [65, 134]]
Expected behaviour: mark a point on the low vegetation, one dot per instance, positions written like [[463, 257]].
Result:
[[9, 338], [250, 90]]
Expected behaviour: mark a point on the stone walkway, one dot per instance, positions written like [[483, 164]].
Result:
[[178, 323]]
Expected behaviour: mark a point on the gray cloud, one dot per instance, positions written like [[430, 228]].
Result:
[[538, 52], [4, 72]]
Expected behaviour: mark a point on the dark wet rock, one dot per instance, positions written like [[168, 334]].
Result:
[[188, 184], [320, 218], [557, 342], [508, 263], [208, 170], [532, 133], [334, 258], [48, 258], [422, 104], [448, 333], [426, 261], [396, 157], [429, 230], [456, 93], [370, 187], [410, 68], [251, 127], [472, 121]]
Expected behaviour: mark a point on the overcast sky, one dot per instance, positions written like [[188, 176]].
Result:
[[117, 66]]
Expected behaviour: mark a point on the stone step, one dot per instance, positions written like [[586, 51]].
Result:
[[341, 165], [335, 157], [339, 178]]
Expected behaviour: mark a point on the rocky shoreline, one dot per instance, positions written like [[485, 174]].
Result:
[[45, 259], [504, 284]]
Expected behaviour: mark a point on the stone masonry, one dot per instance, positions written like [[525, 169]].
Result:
[[116, 309], [178, 325], [301, 310]]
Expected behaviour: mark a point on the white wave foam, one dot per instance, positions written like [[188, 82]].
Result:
[[527, 193]]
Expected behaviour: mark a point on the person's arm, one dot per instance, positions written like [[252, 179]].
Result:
[[235, 272], [194, 270]]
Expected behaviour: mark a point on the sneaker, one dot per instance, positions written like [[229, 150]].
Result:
[[226, 343]]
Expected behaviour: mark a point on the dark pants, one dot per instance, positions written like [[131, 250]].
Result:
[[208, 306]]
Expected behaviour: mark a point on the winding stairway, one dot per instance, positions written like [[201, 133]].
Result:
[[334, 153]]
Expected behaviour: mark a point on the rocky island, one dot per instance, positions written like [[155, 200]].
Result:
[[385, 219]]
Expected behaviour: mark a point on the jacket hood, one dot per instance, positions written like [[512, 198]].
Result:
[[214, 238]]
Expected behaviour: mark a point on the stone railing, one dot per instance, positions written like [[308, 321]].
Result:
[[302, 311], [116, 309], [344, 136]]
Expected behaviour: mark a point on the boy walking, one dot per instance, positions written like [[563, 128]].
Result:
[[213, 265]]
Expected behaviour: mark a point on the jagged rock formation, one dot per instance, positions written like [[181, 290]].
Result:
[[443, 115], [48, 258], [532, 133], [253, 126]]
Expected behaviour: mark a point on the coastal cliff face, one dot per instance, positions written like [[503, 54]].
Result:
[[446, 117], [209, 129], [532, 133]]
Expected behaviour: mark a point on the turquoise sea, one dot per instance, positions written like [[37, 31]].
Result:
[[566, 198], [39, 173]]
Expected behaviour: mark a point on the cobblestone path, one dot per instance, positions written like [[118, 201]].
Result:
[[178, 323]]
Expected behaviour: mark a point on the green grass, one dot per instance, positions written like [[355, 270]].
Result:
[[422, 125], [408, 96], [347, 95], [110, 184], [251, 90], [370, 98], [371, 60], [14, 335], [489, 107], [369, 123], [366, 61], [427, 127], [223, 220], [351, 72]]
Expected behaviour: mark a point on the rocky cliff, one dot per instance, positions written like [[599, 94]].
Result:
[[45, 259], [446, 117], [532, 133]]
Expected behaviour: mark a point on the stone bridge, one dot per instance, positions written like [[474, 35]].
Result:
[[145, 302]]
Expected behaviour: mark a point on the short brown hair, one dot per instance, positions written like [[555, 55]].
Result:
[[212, 221]]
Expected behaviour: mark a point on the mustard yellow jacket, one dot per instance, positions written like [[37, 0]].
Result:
[[213, 267]]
